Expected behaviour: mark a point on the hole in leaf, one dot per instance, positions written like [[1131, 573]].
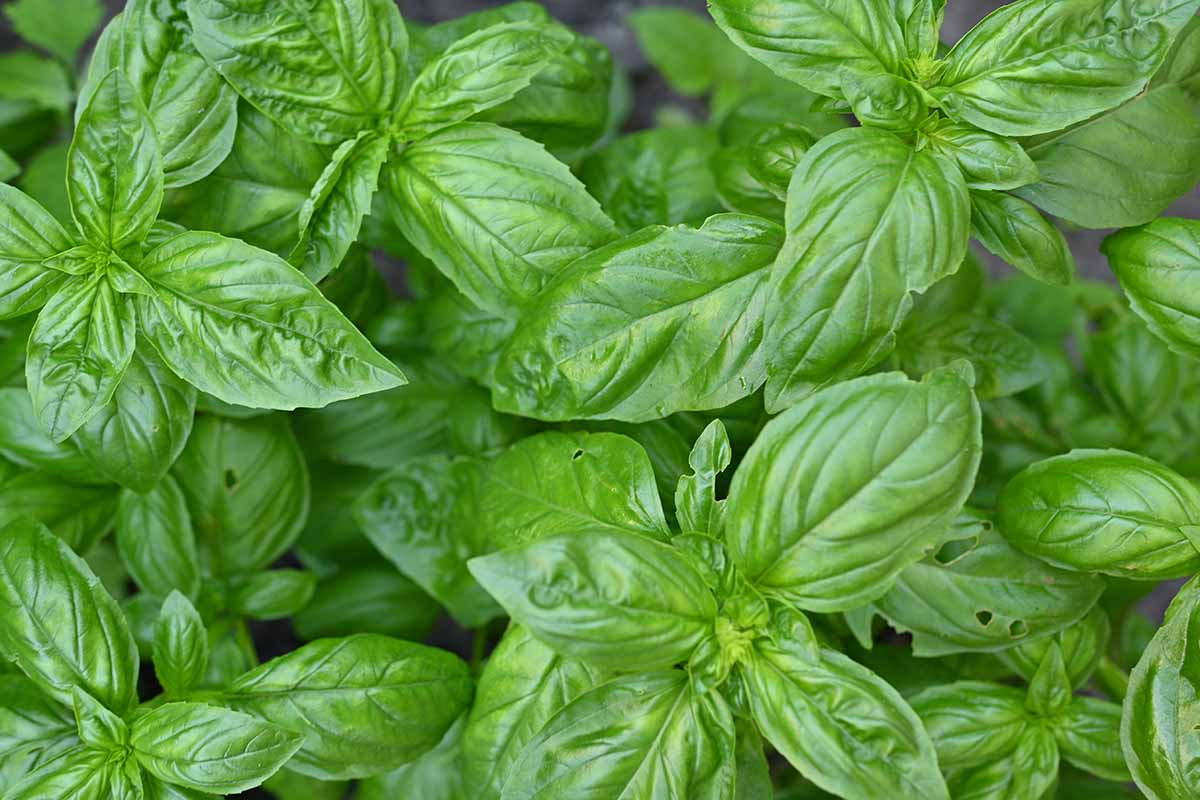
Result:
[[1017, 628], [953, 550], [984, 616], [231, 479], [578, 455]]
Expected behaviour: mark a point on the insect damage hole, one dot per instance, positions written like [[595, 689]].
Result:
[[984, 617], [578, 454], [231, 479], [1017, 628]]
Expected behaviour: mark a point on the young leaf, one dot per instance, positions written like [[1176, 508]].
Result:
[[272, 594], [195, 117], [209, 749], [1015, 231], [987, 161], [1029, 770], [59, 625], [972, 722], [1050, 688], [1089, 736], [843, 491], [60, 28], [364, 704], [325, 70], [180, 646], [869, 220], [98, 727], [156, 541], [241, 324], [1083, 644], [28, 236], [665, 320], [696, 504]]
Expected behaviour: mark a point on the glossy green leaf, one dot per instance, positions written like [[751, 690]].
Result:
[[1029, 770], [137, 436], [1136, 374], [1004, 361], [987, 161], [156, 540], [23, 441], [666, 320], [79, 773], [884, 101], [437, 775], [972, 722], [1015, 231], [497, 214], [843, 491], [28, 235], [209, 749], [180, 646], [61, 29], [364, 704], [257, 333], [98, 727], [1049, 691], [195, 117], [59, 624], [1088, 736], [33, 728], [1104, 511], [272, 594], [696, 505], [1035, 67], [659, 739], [556, 483], [366, 600], [246, 485], [1083, 644], [79, 515], [869, 220], [325, 70], [26, 76]]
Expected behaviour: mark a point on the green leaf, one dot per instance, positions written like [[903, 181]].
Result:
[[366, 600], [98, 727], [365, 704], [272, 594], [24, 442], [1029, 770], [687, 49], [242, 325], [60, 28], [209, 749], [34, 729], [556, 483], [114, 168], [437, 775], [979, 593], [137, 436], [1093, 173], [616, 600], [839, 724], [423, 516], [79, 515], [972, 722], [1158, 731], [696, 505], [885, 101], [1015, 231], [523, 685], [665, 320], [475, 73], [496, 213], [987, 161], [79, 348], [324, 70], [1050, 687], [1104, 511], [333, 213], [28, 236], [180, 646], [1083, 644], [79, 773], [156, 542], [1042, 65], [246, 485], [842, 492], [644, 735], [869, 220], [1136, 374], [40, 81], [1157, 265], [1088, 736], [58, 624], [656, 177], [1004, 361], [813, 42]]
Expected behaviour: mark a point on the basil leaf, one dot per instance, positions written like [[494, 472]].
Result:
[[556, 483], [79, 515], [423, 517], [156, 542], [666, 320], [1004, 361], [1083, 644], [1028, 771], [255, 331], [1155, 266], [24, 442], [78, 351], [180, 646], [59, 624], [523, 685], [981, 594], [1136, 374], [901, 225], [34, 729], [972, 722], [366, 600], [437, 775], [1157, 732], [809, 41], [1088, 736], [332, 215], [594, 595], [879, 433], [61, 29], [987, 161], [1036, 67], [209, 749], [475, 73], [468, 196], [1104, 511], [272, 594], [114, 168], [1049, 691], [28, 236], [839, 724], [246, 484], [696, 503], [137, 436], [632, 737], [885, 101], [80, 773], [324, 70], [365, 704], [98, 727], [1012, 229]]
